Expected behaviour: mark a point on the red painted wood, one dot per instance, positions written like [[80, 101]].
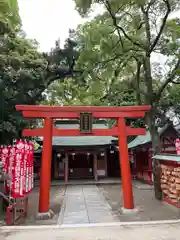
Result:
[[125, 166], [46, 168], [33, 132], [135, 131], [75, 132], [118, 114], [82, 108], [145, 176], [43, 114], [98, 132], [75, 115], [169, 152], [171, 203]]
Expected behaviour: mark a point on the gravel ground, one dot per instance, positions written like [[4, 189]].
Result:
[[149, 209], [56, 199]]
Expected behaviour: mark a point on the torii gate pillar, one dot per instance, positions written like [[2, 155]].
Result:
[[125, 166], [45, 178]]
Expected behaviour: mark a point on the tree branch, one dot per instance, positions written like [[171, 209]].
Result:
[[147, 27], [111, 59], [114, 19], [150, 4], [168, 80], [175, 82], [162, 25], [116, 73]]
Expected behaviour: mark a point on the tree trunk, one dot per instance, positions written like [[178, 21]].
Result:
[[138, 95], [156, 148], [156, 143]]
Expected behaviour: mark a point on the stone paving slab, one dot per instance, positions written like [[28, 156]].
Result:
[[141, 185], [148, 232], [85, 204], [84, 182]]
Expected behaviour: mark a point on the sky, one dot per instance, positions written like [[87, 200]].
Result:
[[48, 20]]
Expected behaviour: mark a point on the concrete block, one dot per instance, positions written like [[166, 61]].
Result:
[[129, 211], [45, 216]]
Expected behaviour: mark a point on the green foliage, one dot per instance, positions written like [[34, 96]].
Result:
[[21, 77], [24, 75], [120, 42], [172, 98], [69, 92], [9, 15], [24, 72]]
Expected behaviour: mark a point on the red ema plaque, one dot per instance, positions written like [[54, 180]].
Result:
[[85, 122]]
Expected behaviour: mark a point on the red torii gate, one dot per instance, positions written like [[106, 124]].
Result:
[[48, 113]]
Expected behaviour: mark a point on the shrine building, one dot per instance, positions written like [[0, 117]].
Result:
[[81, 157], [97, 157], [140, 151]]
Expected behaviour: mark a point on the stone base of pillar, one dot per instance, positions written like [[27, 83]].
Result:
[[129, 211], [45, 216]]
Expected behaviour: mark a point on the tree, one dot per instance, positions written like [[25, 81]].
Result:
[[97, 85], [142, 28], [9, 15], [24, 72], [69, 92]]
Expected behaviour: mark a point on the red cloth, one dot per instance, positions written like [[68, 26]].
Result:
[[18, 163]]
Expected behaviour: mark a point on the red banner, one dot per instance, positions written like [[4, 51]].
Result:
[[10, 166], [27, 157], [31, 166], [18, 163], [16, 170]]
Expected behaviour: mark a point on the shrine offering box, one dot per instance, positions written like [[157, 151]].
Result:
[[170, 178]]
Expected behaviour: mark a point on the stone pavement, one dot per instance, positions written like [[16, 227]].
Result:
[[85, 204], [83, 182], [139, 232]]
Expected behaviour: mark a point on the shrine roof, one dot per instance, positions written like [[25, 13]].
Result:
[[167, 157], [81, 141], [141, 140]]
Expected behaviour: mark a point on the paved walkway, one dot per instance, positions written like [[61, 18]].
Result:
[[85, 204], [148, 232], [83, 182]]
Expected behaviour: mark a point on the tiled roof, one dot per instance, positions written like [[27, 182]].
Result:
[[82, 140], [167, 157], [140, 140]]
